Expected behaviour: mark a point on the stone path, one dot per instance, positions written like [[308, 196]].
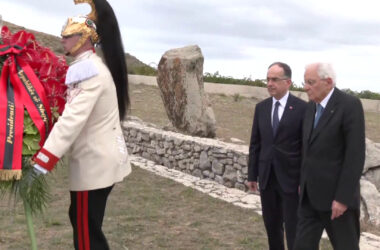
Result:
[[239, 198]]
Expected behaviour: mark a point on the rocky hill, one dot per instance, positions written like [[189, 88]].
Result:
[[54, 43]]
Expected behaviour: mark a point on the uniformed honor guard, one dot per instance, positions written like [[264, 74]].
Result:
[[89, 128]]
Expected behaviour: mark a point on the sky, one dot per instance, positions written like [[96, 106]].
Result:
[[239, 38]]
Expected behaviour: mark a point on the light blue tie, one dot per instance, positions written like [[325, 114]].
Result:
[[318, 115]]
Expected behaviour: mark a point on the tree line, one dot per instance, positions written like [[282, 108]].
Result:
[[217, 78]]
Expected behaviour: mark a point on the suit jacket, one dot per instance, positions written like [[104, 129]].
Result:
[[89, 129], [334, 152], [280, 153]]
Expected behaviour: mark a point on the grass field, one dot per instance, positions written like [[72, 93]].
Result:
[[144, 212]]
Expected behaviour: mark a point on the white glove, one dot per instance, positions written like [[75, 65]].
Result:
[[39, 170]]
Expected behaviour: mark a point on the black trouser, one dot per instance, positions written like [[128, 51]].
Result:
[[279, 208], [343, 232], [86, 215]]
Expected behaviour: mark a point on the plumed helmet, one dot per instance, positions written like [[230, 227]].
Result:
[[81, 25], [106, 32]]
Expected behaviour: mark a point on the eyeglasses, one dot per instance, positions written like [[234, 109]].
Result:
[[309, 82], [312, 82], [274, 79]]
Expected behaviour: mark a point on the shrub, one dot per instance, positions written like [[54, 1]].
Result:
[[143, 70]]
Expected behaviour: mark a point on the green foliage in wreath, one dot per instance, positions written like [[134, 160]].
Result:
[[31, 188]]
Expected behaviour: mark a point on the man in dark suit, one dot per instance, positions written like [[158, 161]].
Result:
[[332, 163], [275, 156]]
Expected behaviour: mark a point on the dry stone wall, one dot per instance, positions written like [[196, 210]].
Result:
[[202, 157]]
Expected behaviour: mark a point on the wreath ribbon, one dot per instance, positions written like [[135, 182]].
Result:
[[20, 89]]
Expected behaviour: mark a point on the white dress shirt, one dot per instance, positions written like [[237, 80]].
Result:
[[281, 108], [326, 100]]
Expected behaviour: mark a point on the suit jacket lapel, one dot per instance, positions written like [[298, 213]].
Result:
[[326, 116], [288, 108], [308, 122], [267, 115]]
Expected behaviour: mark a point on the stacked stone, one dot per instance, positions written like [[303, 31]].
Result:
[[202, 157]]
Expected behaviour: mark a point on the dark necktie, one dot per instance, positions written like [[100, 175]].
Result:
[[275, 120], [318, 115]]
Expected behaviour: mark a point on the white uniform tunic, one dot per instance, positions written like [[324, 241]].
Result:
[[89, 128]]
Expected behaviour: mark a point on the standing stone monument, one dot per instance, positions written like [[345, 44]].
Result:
[[180, 79], [370, 184], [371, 169]]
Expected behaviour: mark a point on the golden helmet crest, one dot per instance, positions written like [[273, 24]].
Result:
[[92, 14]]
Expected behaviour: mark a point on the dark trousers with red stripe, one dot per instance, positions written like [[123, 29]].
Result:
[[86, 215]]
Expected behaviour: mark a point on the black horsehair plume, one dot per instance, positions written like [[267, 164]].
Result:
[[113, 51]]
